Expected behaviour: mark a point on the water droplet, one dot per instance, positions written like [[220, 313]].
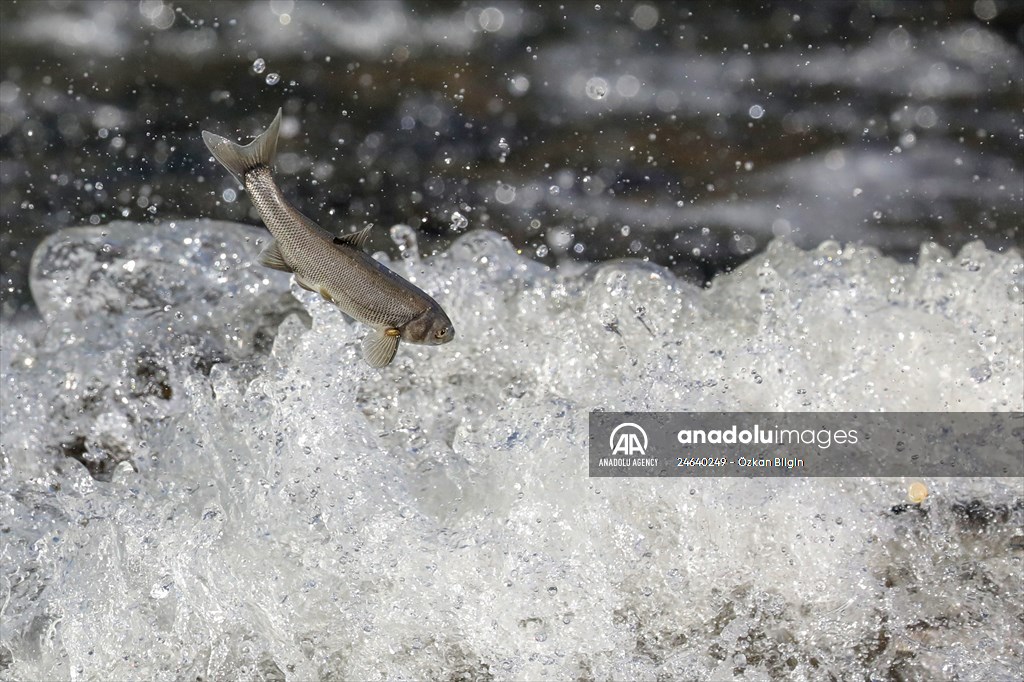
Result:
[[259, 65], [505, 193], [492, 19], [273, 78], [405, 237], [519, 84], [459, 221], [597, 88]]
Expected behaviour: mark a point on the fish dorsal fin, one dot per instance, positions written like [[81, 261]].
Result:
[[271, 257], [355, 239]]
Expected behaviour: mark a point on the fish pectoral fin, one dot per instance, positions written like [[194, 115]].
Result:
[[356, 240], [298, 280], [271, 257], [379, 347], [326, 295]]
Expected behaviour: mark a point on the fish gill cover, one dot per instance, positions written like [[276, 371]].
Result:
[[258, 504]]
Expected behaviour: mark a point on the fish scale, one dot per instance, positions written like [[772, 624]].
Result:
[[358, 284], [335, 267]]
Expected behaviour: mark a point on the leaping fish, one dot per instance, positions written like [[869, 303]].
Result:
[[335, 267]]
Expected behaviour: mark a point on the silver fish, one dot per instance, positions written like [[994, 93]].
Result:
[[334, 267]]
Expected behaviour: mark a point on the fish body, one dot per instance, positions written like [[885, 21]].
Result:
[[335, 267]]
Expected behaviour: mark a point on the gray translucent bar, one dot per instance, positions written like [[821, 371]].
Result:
[[688, 444]]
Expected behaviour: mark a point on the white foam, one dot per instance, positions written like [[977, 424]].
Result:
[[298, 515]]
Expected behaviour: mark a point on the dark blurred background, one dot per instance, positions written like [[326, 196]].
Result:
[[689, 134]]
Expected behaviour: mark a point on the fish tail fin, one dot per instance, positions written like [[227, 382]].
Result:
[[238, 159]]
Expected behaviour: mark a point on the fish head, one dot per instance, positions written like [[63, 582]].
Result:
[[431, 327]]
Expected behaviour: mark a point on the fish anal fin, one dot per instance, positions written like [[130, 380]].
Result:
[[271, 257], [356, 239], [379, 347]]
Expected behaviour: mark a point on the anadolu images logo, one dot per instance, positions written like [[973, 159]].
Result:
[[628, 439]]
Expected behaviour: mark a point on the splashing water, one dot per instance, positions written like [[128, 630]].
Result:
[[263, 505]]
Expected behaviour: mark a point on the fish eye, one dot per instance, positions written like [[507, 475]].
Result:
[[440, 333]]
